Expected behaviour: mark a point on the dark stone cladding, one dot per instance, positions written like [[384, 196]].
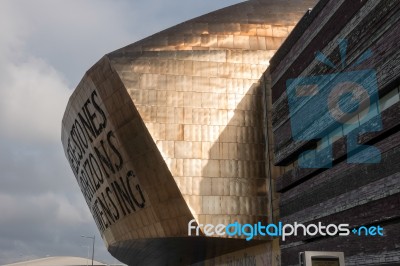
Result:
[[325, 35], [346, 177], [391, 124], [386, 56], [357, 194], [376, 251], [294, 36]]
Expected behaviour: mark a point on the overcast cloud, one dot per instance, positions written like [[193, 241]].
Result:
[[45, 48]]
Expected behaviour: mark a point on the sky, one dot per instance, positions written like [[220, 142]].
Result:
[[46, 46]]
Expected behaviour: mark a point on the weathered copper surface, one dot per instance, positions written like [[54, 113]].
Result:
[[170, 128]]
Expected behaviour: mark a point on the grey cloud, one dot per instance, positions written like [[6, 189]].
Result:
[[73, 35]]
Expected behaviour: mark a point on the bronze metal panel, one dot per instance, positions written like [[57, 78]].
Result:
[[170, 128]]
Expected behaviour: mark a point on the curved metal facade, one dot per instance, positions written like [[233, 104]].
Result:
[[170, 129]]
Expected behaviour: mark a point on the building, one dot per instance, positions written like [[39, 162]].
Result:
[[58, 261], [193, 126], [360, 41]]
